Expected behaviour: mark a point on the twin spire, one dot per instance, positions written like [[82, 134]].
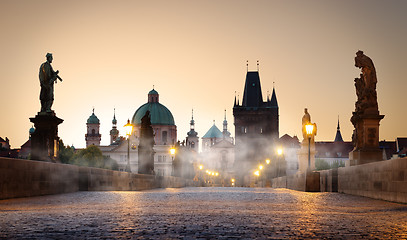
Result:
[[252, 95]]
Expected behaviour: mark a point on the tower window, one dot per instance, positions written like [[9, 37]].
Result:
[[93, 132]]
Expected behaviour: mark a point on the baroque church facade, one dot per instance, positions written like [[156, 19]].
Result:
[[165, 136]]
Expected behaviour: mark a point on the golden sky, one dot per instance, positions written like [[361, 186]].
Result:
[[111, 53]]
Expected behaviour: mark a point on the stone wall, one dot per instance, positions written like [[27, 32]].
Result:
[[25, 178], [386, 180], [329, 180], [300, 181]]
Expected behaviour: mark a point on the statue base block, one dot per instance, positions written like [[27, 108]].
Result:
[[357, 157], [45, 140]]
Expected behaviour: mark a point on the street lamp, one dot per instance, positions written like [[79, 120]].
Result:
[[129, 129], [200, 167], [309, 128], [267, 161]]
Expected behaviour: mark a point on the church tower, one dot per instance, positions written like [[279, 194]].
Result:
[[256, 126], [338, 137], [192, 136], [114, 133], [93, 137]]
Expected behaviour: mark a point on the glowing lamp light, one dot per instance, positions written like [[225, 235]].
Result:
[[261, 167], [128, 127], [268, 161], [213, 173], [200, 167], [257, 173], [172, 151], [279, 151], [216, 174], [232, 180], [309, 128]]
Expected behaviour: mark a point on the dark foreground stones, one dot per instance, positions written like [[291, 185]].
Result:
[[202, 213]]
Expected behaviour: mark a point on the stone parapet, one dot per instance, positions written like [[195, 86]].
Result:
[[25, 178], [329, 180], [386, 180]]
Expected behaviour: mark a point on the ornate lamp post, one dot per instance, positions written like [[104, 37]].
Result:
[[129, 130], [309, 128]]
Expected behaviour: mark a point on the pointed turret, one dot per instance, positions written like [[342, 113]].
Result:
[[226, 133], [252, 96], [225, 123], [338, 137], [192, 139], [273, 101], [114, 133]]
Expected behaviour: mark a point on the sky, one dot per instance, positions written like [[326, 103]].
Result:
[[110, 54]]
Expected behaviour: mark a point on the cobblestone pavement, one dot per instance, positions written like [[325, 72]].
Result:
[[203, 213]]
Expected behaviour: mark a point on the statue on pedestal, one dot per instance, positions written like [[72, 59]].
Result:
[[145, 149], [366, 117], [47, 77], [45, 140]]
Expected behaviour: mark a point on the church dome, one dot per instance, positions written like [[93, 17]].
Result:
[[153, 92], [93, 119], [159, 114]]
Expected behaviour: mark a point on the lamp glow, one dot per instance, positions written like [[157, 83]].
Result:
[[268, 161], [128, 127], [309, 128], [200, 167], [257, 173], [172, 151]]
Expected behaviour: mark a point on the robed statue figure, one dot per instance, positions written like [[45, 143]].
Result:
[[47, 77]]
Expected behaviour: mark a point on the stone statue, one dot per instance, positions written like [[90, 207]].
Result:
[[366, 117], [145, 149], [365, 85], [47, 77], [306, 119]]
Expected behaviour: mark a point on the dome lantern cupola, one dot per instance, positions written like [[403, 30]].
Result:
[[160, 115], [153, 96]]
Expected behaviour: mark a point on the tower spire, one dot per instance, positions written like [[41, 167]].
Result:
[[225, 123], [257, 65], [247, 65], [338, 137]]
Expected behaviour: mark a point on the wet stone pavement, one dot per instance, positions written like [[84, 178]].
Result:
[[202, 213]]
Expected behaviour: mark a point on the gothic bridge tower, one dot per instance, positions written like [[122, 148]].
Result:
[[256, 127]]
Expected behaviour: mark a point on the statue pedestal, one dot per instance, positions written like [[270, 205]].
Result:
[[45, 140], [303, 157], [367, 139]]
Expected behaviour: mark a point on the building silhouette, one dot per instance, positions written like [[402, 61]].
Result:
[[256, 126]]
